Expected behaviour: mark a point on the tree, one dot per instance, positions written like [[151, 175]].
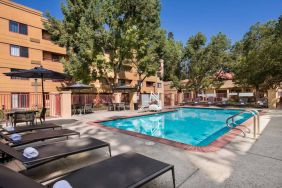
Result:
[[105, 38], [206, 61], [258, 59], [147, 38], [173, 62], [80, 32]]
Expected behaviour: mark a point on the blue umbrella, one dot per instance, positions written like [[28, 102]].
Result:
[[38, 72]]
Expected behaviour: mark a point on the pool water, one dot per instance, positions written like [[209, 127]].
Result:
[[194, 126]]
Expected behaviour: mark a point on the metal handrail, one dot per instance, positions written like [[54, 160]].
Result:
[[256, 121]]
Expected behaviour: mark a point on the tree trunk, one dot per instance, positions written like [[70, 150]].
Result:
[[257, 93]]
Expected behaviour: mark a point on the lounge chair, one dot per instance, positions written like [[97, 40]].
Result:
[[12, 179], [30, 128], [196, 101], [125, 170], [210, 101], [243, 102], [155, 108], [53, 151], [39, 136]]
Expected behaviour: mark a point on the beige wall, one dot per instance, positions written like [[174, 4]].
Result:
[[34, 42]]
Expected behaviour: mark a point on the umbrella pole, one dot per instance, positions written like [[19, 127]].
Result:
[[36, 94], [43, 97]]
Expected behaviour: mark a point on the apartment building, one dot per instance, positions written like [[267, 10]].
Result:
[[24, 44]]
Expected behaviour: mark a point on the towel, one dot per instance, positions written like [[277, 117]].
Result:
[[62, 184], [9, 128], [15, 137], [30, 152]]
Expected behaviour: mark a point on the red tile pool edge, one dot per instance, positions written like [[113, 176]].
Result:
[[214, 146]]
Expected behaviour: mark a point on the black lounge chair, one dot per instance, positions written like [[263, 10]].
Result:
[[125, 170], [52, 151], [31, 128], [122, 171], [12, 179], [40, 136]]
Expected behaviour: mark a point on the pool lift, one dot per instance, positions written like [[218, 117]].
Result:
[[256, 124], [153, 97]]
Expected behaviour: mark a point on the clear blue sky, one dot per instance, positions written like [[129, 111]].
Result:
[[186, 17]]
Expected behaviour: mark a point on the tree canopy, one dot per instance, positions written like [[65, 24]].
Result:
[[206, 61], [104, 38], [258, 56]]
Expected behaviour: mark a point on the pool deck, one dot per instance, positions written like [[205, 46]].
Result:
[[244, 162]]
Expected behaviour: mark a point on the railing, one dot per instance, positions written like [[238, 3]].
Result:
[[99, 101], [28, 101], [256, 125]]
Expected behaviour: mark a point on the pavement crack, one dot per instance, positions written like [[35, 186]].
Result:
[[264, 156], [188, 178]]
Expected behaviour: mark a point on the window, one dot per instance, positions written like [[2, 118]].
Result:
[[121, 82], [159, 85], [17, 78], [18, 27], [19, 51], [15, 50], [20, 100], [150, 84], [46, 35], [14, 27], [56, 57]]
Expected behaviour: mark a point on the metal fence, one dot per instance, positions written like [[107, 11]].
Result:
[[25, 101], [98, 101]]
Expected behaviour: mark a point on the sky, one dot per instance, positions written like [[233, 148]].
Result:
[[187, 17]]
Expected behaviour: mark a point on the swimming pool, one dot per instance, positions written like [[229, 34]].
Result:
[[193, 126]]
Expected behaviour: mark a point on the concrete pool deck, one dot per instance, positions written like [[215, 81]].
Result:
[[244, 162]]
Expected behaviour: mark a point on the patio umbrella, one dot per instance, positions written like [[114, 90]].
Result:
[[38, 72], [78, 86]]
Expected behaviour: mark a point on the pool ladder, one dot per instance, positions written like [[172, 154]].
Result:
[[256, 124]]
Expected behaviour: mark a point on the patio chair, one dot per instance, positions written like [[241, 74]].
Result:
[[53, 151], [87, 108], [243, 102], [121, 106], [76, 109], [42, 116], [262, 103], [22, 129], [125, 170], [40, 136], [223, 102], [196, 101], [111, 106], [210, 101]]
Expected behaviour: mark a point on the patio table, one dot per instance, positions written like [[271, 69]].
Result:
[[11, 114]]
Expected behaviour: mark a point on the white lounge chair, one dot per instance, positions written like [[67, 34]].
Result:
[[155, 107]]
